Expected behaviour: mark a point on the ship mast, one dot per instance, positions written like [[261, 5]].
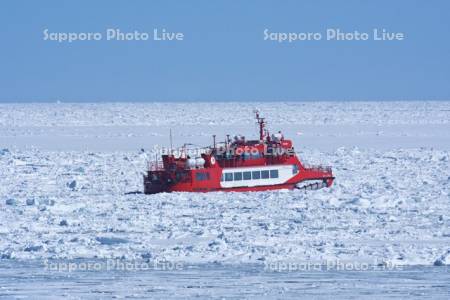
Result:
[[261, 125]]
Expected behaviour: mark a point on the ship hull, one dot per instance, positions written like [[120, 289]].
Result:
[[154, 188]]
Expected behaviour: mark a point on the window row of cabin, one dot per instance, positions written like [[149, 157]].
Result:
[[249, 175]]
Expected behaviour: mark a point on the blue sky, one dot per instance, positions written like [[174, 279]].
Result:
[[223, 56]]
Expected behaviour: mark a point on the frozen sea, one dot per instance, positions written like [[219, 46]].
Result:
[[66, 168]]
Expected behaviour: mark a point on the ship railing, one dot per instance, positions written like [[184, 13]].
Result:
[[317, 168], [155, 166]]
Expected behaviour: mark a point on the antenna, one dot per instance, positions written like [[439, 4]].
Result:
[[214, 141], [171, 145]]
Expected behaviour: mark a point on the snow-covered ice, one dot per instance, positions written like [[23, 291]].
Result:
[[65, 169], [318, 125], [384, 206]]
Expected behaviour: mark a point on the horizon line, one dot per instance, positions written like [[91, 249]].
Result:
[[211, 101]]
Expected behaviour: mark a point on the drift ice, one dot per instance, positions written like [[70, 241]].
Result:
[[268, 163]]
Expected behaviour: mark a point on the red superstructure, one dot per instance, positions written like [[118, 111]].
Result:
[[240, 165]]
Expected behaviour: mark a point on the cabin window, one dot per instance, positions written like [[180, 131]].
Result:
[[200, 176], [256, 174], [237, 176], [247, 175], [221, 178], [273, 173], [294, 169], [228, 176], [265, 174]]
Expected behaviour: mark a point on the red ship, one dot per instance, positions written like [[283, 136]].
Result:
[[241, 165]]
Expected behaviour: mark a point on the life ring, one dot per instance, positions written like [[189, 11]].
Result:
[[213, 161]]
